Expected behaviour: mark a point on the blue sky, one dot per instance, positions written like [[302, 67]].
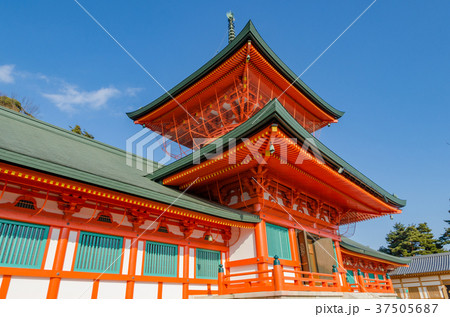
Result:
[[388, 72]]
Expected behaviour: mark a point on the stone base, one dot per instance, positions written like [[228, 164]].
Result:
[[303, 294]]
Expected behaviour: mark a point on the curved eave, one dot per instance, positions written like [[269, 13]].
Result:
[[274, 110], [248, 33], [358, 248]]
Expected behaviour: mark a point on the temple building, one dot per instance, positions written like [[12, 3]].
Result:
[[250, 208]]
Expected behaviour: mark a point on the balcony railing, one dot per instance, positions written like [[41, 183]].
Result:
[[292, 278]]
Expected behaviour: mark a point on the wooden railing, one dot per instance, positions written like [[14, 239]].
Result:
[[283, 279], [277, 279], [374, 285]]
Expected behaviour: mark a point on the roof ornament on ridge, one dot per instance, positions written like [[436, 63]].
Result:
[[231, 34]]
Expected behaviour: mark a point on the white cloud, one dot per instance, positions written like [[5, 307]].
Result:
[[70, 98], [6, 75], [132, 91]]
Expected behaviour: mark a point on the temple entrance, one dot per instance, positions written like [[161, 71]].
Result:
[[316, 253]]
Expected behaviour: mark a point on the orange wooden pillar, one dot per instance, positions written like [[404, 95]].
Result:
[[340, 266], [4, 286], [186, 272], [278, 278], [60, 253], [295, 253], [132, 268], [261, 245]]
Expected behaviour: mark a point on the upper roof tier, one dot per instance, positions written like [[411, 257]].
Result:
[[228, 90]]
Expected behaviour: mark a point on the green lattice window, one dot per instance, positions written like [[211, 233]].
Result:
[[371, 275], [380, 277], [350, 277], [98, 253], [22, 245], [278, 241], [160, 259], [207, 263]]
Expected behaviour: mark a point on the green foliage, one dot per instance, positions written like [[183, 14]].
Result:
[[445, 238], [77, 130], [411, 240], [24, 107]]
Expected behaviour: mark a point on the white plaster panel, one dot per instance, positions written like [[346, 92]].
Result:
[[244, 269], [119, 219], [175, 230], [245, 247], [140, 257], [145, 290], [70, 251], [445, 277], [214, 287], [52, 249], [1, 279], [86, 213], [112, 289], [191, 262], [217, 238], [224, 259], [126, 256], [396, 285], [198, 287], [172, 291], [413, 279], [431, 283], [196, 234], [28, 288], [180, 261], [50, 206], [429, 278], [411, 284], [75, 289]]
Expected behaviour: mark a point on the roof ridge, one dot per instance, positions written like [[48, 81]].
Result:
[[14, 115], [421, 256]]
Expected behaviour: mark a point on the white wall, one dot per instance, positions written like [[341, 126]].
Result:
[[126, 256], [28, 287], [191, 263], [139, 257], [172, 291], [70, 251], [112, 289], [145, 290], [243, 248], [75, 289], [52, 249], [244, 269]]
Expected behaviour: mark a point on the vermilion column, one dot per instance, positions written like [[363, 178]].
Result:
[[261, 245], [60, 253], [132, 268]]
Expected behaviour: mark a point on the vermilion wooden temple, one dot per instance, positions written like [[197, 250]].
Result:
[[250, 208]]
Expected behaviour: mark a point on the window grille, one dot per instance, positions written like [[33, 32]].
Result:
[[207, 263], [278, 241], [22, 245], [161, 259], [98, 253], [27, 204]]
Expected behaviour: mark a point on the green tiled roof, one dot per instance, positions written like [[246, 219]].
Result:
[[351, 245], [248, 33], [40, 146], [274, 111]]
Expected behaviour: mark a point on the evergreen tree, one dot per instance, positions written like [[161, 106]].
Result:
[[77, 130], [445, 238], [411, 240]]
